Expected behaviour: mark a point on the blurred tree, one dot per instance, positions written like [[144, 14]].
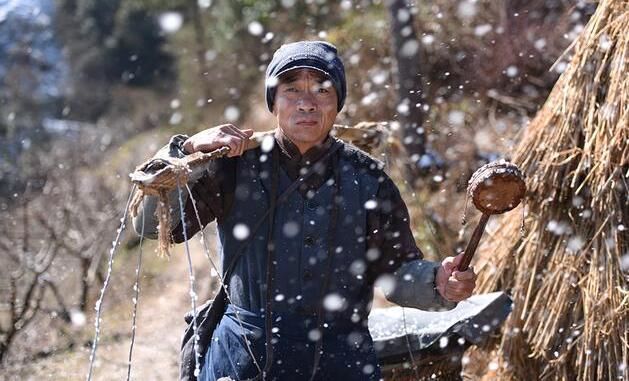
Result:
[[137, 56], [232, 41], [406, 49], [201, 46], [108, 44], [23, 108], [194, 12], [246, 32]]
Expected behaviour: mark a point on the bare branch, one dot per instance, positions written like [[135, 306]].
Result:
[[27, 299], [32, 311], [4, 245], [14, 257], [65, 313]]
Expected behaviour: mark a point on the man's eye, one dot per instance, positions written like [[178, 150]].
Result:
[[324, 90], [290, 89]]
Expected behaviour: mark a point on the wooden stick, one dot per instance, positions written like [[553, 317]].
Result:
[[473, 244]]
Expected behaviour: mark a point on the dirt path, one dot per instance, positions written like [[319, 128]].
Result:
[[159, 328], [163, 302]]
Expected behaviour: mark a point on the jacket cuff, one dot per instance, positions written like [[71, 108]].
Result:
[[174, 148], [415, 287]]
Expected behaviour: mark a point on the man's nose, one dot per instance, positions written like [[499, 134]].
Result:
[[307, 102]]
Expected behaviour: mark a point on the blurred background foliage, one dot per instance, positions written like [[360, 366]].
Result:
[[90, 88]]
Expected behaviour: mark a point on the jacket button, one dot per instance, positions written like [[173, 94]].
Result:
[[307, 275], [311, 204], [309, 241]]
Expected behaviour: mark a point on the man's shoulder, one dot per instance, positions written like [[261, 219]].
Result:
[[252, 155], [362, 160]]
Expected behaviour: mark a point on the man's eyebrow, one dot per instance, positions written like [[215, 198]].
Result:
[[290, 77], [320, 77]]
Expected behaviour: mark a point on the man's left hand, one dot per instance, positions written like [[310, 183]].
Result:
[[454, 285]]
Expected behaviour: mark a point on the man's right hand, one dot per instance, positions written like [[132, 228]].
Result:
[[217, 137]]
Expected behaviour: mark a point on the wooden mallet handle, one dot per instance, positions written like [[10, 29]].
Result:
[[473, 244]]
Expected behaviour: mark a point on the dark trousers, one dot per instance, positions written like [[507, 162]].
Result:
[[348, 354]]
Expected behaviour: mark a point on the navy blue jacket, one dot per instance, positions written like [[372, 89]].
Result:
[[370, 239]]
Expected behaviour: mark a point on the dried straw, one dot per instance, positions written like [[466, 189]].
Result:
[[571, 302]]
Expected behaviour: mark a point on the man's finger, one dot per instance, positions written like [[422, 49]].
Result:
[[464, 275], [227, 127], [457, 290], [234, 135], [242, 143], [448, 265], [461, 288], [232, 143], [457, 260], [235, 131], [187, 146], [457, 296]]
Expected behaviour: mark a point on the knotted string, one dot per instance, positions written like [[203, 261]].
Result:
[[159, 177], [136, 289], [99, 303], [222, 280]]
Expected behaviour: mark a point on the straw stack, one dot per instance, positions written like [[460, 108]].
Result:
[[571, 299]]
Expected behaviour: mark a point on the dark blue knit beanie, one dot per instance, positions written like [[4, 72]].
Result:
[[317, 55]]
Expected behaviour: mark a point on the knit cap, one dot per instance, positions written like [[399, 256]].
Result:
[[317, 55]]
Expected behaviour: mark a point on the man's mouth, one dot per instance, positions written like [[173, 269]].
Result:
[[307, 122]]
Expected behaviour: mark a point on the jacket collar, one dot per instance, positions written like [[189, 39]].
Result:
[[292, 155], [295, 163]]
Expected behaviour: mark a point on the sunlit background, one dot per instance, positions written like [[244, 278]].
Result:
[[89, 89]]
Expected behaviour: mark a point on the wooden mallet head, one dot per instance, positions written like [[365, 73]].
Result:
[[495, 188]]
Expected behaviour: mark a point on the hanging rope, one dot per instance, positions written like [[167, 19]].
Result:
[[329, 269], [408, 346], [99, 303], [136, 289], [193, 295], [222, 281]]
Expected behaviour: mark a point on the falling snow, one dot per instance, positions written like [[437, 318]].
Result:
[[255, 28], [170, 22], [481, 30], [459, 70], [333, 302], [241, 232], [232, 113]]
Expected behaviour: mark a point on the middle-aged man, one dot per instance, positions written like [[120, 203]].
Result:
[[305, 229]]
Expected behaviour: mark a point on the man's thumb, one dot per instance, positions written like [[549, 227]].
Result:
[[448, 266]]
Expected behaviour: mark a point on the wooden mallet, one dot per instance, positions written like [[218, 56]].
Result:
[[495, 188]]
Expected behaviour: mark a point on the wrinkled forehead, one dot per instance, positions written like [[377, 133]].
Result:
[[296, 74]]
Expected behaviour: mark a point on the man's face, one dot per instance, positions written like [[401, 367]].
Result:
[[305, 107]]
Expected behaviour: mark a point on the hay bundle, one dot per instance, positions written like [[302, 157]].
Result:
[[571, 302]]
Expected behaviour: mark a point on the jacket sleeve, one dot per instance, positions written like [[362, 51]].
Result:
[[395, 257], [206, 190]]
